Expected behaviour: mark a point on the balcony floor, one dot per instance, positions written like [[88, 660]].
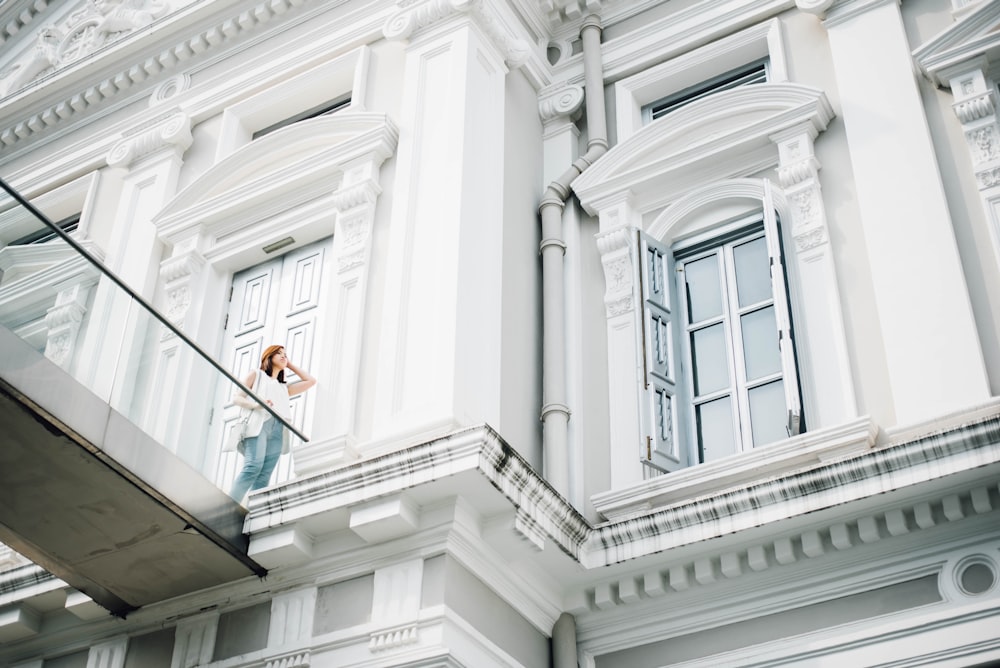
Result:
[[98, 503]]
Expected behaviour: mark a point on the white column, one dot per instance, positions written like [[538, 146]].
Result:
[[931, 345], [439, 351], [619, 222], [828, 389], [152, 156], [335, 436]]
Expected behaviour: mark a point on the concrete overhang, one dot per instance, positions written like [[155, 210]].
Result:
[[90, 497]]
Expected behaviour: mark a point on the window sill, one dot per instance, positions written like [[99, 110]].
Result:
[[814, 447]]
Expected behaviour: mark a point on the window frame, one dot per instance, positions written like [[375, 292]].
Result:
[[683, 449]]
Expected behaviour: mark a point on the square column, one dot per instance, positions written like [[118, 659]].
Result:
[[930, 341], [439, 352]]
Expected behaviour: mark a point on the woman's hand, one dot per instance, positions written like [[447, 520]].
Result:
[[304, 383]]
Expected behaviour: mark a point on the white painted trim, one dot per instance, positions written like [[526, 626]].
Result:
[[634, 92]]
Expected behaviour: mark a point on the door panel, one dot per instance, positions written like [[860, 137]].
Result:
[[277, 302]]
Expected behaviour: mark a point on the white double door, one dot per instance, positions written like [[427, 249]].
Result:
[[279, 302]]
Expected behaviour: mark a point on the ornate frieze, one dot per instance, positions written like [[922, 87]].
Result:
[[95, 25], [173, 131], [99, 23], [413, 16]]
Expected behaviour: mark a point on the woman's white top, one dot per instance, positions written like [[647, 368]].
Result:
[[269, 389]]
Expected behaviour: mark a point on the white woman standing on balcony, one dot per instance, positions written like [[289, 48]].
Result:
[[262, 450]]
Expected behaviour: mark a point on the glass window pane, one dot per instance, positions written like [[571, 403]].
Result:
[[768, 413], [753, 274], [715, 429], [709, 360], [704, 293], [760, 343]]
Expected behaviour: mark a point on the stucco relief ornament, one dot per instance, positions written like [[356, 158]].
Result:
[[984, 140], [96, 24]]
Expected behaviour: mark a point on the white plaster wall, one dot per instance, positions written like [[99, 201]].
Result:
[[809, 63], [520, 347], [923, 19]]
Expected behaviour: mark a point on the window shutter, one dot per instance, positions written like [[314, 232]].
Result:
[[662, 447], [781, 299]]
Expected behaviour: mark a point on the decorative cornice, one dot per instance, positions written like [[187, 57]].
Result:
[[135, 71], [414, 16], [962, 43], [24, 12], [769, 496]]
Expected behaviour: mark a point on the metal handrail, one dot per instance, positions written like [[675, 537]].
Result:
[[142, 302]]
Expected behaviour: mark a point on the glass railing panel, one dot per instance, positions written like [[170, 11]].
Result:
[[56, 295]]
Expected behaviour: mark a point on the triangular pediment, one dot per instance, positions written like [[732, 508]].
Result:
[[975, 35], [287, 168], [717, 137]]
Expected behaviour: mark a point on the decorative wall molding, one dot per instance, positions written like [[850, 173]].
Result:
[[296, 660]]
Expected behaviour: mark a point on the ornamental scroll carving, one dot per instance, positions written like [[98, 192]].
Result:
[[412, 16], [560, 103], [93, 26], [170, 131]]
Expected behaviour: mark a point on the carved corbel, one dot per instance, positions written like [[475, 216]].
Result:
[[178, 274], [617, 256], [167, 132], [63, 322], [798, 174], [413, 17], [975, 106]]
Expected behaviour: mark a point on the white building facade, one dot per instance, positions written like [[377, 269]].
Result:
[[648, 333]]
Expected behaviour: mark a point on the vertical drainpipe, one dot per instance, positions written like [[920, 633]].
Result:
[[564, 642], [555, 411]]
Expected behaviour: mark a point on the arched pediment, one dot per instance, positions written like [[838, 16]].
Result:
[[283, 170], [721, 136]]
